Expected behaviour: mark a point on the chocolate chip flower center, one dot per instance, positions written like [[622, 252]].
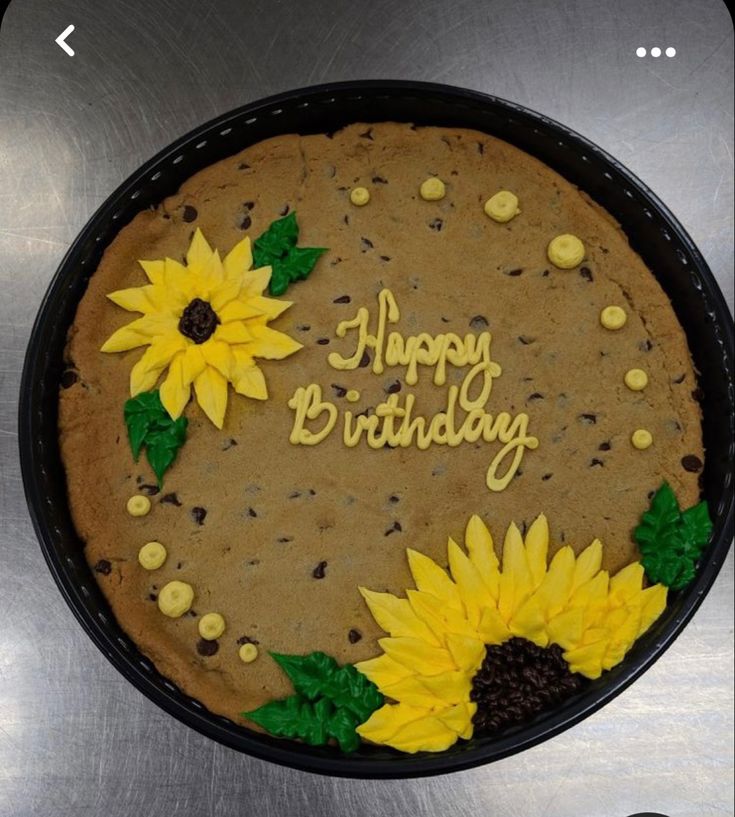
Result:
[[516, 681], [198, 321]]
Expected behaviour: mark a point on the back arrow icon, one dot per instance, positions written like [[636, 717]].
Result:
[[60, 40]]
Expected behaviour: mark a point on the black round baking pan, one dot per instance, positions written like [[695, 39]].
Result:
[[653, 232]]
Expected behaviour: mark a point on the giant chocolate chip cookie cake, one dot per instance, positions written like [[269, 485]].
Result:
[[385, 435]]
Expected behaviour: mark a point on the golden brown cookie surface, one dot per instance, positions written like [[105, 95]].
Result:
[[291, 531]]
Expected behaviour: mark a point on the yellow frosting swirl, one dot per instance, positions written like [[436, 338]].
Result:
[[565, 251]]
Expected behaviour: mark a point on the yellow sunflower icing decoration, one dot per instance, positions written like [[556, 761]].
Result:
[[205, 322], [439, 632]]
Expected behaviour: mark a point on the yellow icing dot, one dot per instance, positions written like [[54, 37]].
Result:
[[353, 395], [248, 653], [152, 555], [432, 189], [613, 317], [641, 439], [211, 626], [138, 505], [565, 251], [502, 207], [175, 599], [636, 379], [360, 196]]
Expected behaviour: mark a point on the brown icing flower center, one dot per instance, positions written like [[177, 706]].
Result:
[[198, 321]]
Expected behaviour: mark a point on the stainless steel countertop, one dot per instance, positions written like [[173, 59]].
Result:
[[77, 739]]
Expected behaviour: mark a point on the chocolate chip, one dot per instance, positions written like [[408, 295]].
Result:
[[480, 148], [692, 463], [444, 320], [339, 391], [595, 462], [545, 274], [514, 273], [679, 379], [436, 225], [335, 261], [319, 571], [385, 258], [104, 567], [190, 214], [478, 323], [247, 639], [323, 341], [252, 513], [393, 388], [170, 499], [68, 378], [354, 636], [366, 244], [546, 477], [604, 446], [243, 166], [284, 540], [346, 218], [231, 443], [379, 180], [364, 360], [343, 299], [248, 205], [526, 340], [246, 223], [588, 419], [535, 396], [394, 528], [645, 345], [207, 648], [199, 514], [303, 327], [368, 134], [152, 597], [394, 499], [284, 210], [586, 273], [148, 490]]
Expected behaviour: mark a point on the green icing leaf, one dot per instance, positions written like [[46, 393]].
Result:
[[318, 675], [276, 248], [672, 541], [150, 425], [330, 702]]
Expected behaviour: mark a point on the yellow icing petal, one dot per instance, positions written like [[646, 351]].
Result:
[[430, 578], [529, 622], [515, 580], [239, 259], [199, 251], [626, 583], [136, 299], [567, 628], [592, 596], [653, 603], [145, 373], [426, 735], [218, 355], [255, 281], [223, 293], [555, 589], [238, 311], [124, 339], [421, 657], [193, 364], [588, 563], [174, 391], [270, 307], [450, 687], [412, 692], [493, 629], [273, 345], [458, 718], [467, 652], [587, 660], [233, 333], [537, 548], [383, 724], [438, 616], [383, 671], [472, 589], [210, 388], [179, 284], [249, 381], [396, 616], [479, 544], [153, 270]]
